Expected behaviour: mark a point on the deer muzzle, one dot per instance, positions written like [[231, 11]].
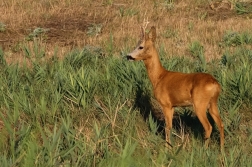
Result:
[[130, 58]]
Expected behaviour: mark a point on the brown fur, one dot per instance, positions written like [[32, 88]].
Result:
[[173, 89]]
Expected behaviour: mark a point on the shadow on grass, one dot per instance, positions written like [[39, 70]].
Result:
[[183, 117]]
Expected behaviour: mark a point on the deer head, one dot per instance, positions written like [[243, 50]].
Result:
[[145, 45]]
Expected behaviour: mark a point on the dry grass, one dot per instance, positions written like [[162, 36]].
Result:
[[178, 22]]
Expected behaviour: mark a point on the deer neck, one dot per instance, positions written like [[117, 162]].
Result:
[[154, 68]]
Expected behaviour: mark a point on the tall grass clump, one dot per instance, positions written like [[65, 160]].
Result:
[[197, 51], [232, 38], [90, 109], [237, 67]]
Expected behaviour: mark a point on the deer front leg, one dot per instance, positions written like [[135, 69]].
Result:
[[168, 114]]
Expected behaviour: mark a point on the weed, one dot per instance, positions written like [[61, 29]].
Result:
[[169, 4], [94, 29], [190, 26], [37, 32], [202, 16], [243, 7], [2, 27], [170, 33], [2, 59], [109, 46], [127, 12], [108, 2]]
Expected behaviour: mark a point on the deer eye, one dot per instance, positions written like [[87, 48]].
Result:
[[140, 47]]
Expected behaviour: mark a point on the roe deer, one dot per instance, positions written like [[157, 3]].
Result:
[[172, 89]]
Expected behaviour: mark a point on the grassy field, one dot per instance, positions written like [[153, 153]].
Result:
[[69, 97]]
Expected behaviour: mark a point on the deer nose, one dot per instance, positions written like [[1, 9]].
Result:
[[129, 57]]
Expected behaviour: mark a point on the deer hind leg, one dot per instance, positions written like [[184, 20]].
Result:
[[213, 110], [168, 114], [200, 108]]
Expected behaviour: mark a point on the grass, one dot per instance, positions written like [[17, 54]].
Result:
[[68, 97], [90, 110]]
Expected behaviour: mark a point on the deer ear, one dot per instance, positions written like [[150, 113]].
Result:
[[152, 34]]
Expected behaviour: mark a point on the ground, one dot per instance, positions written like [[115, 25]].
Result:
[[68, 26]]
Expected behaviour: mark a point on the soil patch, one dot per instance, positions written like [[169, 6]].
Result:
[[59, 30]]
